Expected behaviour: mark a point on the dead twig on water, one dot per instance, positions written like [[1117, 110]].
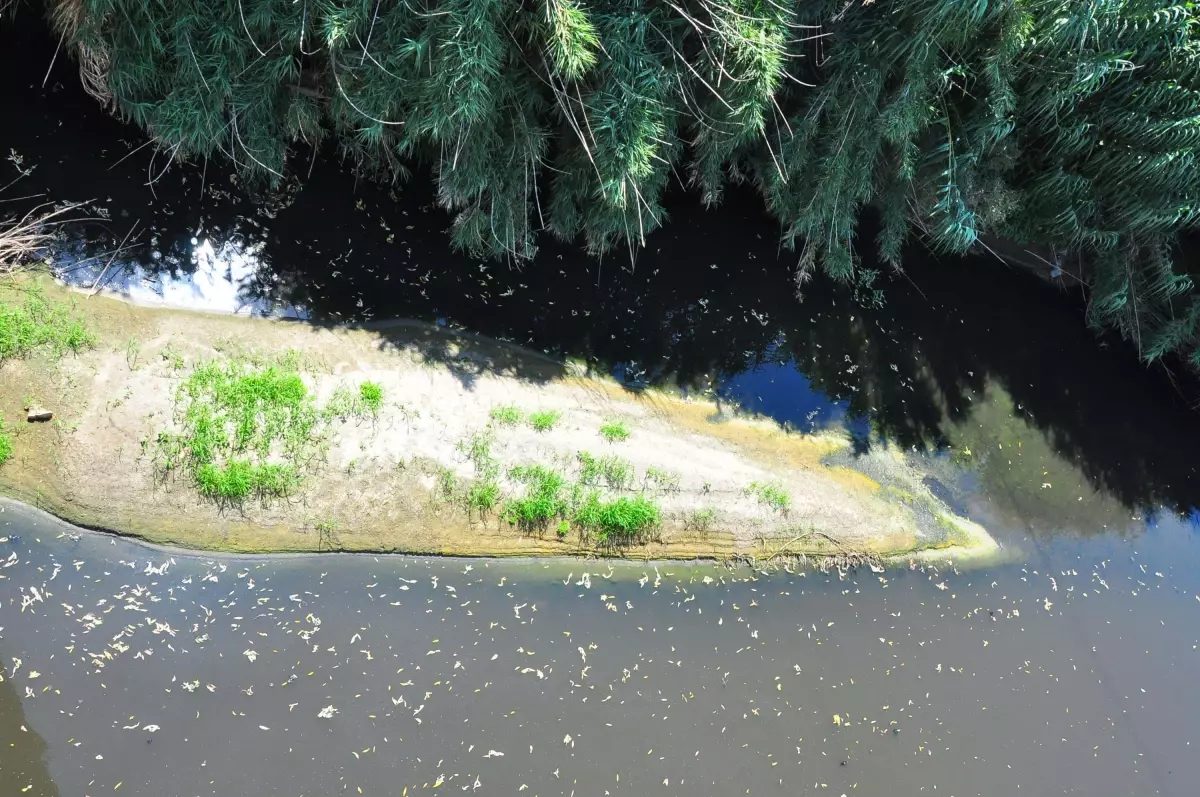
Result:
[[97, 284]]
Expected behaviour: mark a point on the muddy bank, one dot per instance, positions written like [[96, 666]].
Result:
[[396, 479]]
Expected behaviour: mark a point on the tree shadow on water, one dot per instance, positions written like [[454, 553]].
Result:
[[23, 768]]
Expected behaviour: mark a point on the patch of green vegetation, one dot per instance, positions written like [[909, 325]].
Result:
[[624, 520], [551, 498], [370, 396], [544, 420], [589, 468], [616, 472], [132, 350], [6, 444], [238, 479], [447, 484], [482, 496], [231, 418], [663, 479], [701, 520], [39, 323], [543, 500], [507, 415], [273, 478], [614, 431], [478, 449], [345, 403], [173, 358], [771, 494]]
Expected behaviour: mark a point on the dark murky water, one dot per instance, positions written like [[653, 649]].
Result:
[[1070, 669]]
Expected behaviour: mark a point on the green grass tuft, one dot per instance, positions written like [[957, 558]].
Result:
[[41, 324], [663, 479], [543, 500], [370, 394], [614, 431], [447, 484], [701, 520], [482, 496], [365, 404], [238, 479], [230, 481], [507, 415], [544, 420], [770, 494], [274, 479], [590, 469], [616, 472], [478, 449], [6, 445], [625, 520]]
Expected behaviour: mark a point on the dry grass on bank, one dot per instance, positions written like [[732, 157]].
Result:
[[23, 237]]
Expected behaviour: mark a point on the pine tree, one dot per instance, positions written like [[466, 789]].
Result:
[[1070, 125]]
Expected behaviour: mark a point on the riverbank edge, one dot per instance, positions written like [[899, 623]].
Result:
[[235, 534], [981, 549]]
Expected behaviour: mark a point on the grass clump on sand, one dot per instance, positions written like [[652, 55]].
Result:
[[701, 520], [478, 450], [38, 323], [345, 403], [616, 472], [483, 494], [771, 494], [370, 395], [242, 429], [507, 415], [614, 431], [621, 521], [6, 444], [550, 498], [237, 479], [544, 420], [543, 501], [662, 479]]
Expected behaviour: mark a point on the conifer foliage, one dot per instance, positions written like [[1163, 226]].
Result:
[[1072, 125]]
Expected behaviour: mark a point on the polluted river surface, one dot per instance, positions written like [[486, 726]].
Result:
[[1068, 669]]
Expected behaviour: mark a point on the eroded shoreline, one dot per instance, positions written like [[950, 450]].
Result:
[[377, 486]]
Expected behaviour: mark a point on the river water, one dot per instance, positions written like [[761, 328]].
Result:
[[1067, 666], [1071, 669]]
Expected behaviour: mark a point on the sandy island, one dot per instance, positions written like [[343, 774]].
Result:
[[378, 486]]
